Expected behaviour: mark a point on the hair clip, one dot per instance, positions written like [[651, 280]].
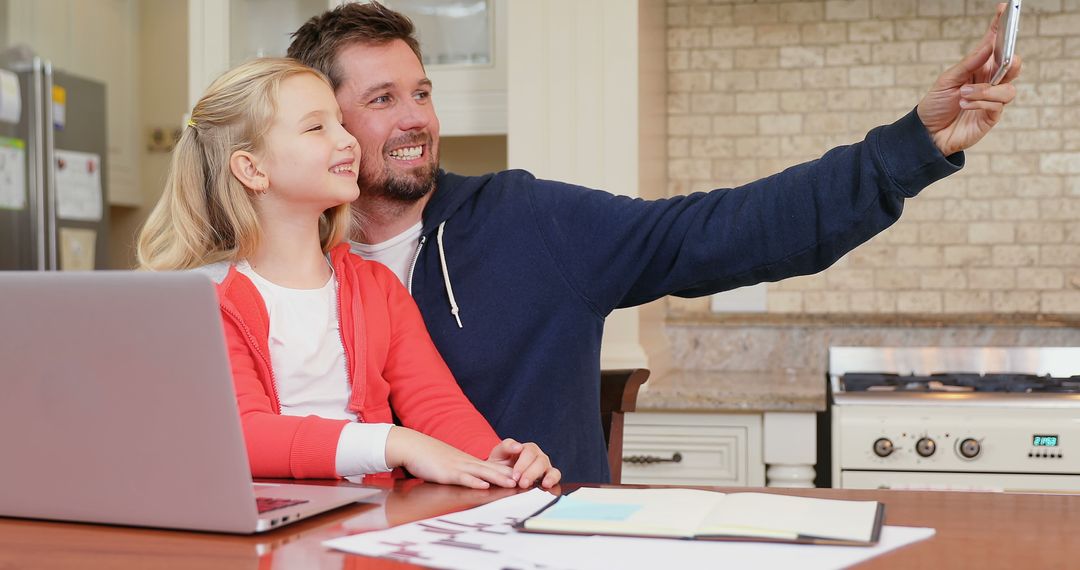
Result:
[[191, 122]]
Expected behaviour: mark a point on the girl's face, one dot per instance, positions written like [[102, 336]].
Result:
[[309, 159]]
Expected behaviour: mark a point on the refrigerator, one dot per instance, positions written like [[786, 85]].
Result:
[[53, 148]]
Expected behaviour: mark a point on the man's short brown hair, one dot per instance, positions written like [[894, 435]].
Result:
[[319, 40]]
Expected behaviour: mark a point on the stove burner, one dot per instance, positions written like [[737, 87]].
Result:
[[958, 382], [1070, 386], [920, 385]]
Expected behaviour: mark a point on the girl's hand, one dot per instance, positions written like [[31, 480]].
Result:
[[432, 460], [530, 464]]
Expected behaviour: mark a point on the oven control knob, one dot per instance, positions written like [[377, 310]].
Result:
[[883, 447], [969, 448], [925, 447]]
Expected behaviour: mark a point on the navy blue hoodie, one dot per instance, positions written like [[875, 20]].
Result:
[[534, 267]]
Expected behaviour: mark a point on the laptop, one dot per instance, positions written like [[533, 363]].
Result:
[[117, 406]]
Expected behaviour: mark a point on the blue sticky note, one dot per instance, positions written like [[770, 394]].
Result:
[[569, 508]]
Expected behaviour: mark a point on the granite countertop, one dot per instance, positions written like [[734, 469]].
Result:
[[906, 320], [721, 391]]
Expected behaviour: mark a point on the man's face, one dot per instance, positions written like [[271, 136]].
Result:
[[385, 97]]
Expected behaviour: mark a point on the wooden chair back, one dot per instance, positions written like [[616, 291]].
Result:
[[618, 395]]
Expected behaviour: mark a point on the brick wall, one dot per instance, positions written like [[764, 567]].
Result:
[[756, 86]]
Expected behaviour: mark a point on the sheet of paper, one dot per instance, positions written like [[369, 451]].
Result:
[[12, 174], [78, 186], [10, 97], [77, 248], [482, 538]]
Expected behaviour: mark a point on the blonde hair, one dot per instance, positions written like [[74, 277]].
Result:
[[205, 214]]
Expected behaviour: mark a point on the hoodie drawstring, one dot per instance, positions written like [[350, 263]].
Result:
[[446, 276]]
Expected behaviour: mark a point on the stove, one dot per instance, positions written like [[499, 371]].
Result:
[[1003, 419]]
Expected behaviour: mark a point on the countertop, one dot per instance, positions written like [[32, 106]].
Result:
[[720, 391], [898, 320], [973, 530]]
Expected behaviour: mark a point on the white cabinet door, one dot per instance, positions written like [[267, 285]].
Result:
[[712, 449]]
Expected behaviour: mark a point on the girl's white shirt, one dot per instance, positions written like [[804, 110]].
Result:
[[309, 368]]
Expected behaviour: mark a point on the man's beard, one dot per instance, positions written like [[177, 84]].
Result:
[[405, 187]]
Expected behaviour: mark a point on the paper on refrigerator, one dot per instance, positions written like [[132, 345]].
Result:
[[10, 97], [483, 538], [12, 174], [78, 186], [77, 249]]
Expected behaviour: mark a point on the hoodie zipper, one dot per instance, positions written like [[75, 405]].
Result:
[[412, 268], [255, 346], [341, 337]]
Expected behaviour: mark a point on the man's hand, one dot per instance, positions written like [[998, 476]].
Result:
[[432, 460], [530, 464], [962, 106]]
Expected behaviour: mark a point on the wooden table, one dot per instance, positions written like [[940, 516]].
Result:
[[974, 530]]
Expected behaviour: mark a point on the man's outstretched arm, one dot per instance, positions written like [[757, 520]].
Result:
[[621, 252]]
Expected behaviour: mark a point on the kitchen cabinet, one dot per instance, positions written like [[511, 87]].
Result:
[[774, 448], [464, 45], [96, 40], [464, 50], [711, 449], [263, 28], [223, 33]]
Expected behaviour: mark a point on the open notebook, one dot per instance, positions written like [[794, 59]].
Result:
[[709, 515]]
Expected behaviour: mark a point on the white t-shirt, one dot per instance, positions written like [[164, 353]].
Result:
[[397, 253], [308, 359]]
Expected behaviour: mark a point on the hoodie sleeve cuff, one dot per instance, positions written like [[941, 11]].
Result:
[[909, 156], [361, 449]]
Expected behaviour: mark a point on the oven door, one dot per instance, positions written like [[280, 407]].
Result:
[[936, 481]]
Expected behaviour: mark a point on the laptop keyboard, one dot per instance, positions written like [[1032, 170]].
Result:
[[266, 504]]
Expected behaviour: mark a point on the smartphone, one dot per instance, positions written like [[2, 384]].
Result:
[[1008, 24]]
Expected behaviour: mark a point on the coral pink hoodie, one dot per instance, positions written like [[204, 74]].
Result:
[[391, 362]]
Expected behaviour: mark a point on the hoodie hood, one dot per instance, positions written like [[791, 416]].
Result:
[[451, 192]]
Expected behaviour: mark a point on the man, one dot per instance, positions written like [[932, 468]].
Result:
[[515, 276]]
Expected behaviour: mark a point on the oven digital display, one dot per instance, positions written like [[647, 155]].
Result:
[[1044, 440]]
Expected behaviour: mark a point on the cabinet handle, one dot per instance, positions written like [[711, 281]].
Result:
[[647, 459]]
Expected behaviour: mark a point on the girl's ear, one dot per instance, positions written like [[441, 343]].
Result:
[[245, 168]]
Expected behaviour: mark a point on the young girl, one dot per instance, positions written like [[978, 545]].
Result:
[[325, 346]]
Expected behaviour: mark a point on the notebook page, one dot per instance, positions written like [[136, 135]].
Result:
[[763, 514], [657, 512]]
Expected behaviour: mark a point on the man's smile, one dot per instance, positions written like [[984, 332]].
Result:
[[407, 153]]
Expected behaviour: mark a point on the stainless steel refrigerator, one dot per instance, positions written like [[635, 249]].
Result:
[[53, 205]]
